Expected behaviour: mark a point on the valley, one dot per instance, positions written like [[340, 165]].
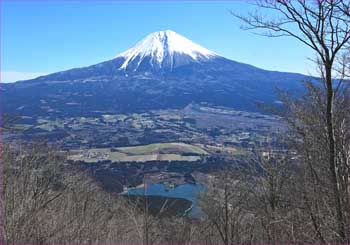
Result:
[[166, 111], [171, 147], [218, 128]]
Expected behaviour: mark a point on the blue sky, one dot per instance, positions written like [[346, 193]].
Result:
[[41, 37]]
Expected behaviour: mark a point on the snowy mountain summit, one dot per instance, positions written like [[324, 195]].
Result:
[[163, 71], [163, 50]]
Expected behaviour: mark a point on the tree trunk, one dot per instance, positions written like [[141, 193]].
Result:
[[332, 154]]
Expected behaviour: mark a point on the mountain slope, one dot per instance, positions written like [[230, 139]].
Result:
[[164, 70]]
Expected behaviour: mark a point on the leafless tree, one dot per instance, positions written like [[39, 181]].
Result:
[[45, 203], [324, 26], [48, 201], [224, 204], [271, 173], [139, 212], [306, 120]]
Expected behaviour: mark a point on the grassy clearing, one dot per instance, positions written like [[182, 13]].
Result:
[[226, 149], [115, 157], [152, 152], [22, 126], [49, 125], [154, 148], [176, 157]]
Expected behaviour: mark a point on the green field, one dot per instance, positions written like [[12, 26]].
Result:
[[152, 152], [163, 147], [48, 125], [22, 126]]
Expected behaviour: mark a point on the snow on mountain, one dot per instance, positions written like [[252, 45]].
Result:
[[164, 70], [164, 49]]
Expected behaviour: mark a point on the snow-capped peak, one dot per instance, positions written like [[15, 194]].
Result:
[[165, 49]]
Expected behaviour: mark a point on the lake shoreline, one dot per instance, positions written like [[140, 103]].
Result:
[[189, 192]]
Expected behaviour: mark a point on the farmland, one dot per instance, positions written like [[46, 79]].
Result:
[[151, 152]]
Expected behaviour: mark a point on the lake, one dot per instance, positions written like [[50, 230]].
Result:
[[186, 191]]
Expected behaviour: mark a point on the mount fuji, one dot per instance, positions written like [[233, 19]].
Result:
[[164, 70], [164, 50]]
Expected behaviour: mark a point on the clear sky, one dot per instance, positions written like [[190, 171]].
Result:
[[41, 37]]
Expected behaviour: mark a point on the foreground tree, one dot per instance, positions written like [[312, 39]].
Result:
[[224, 204], [324, 26], [314, 189], [47, 201]]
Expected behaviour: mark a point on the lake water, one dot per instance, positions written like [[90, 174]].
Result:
[[186, 191]]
